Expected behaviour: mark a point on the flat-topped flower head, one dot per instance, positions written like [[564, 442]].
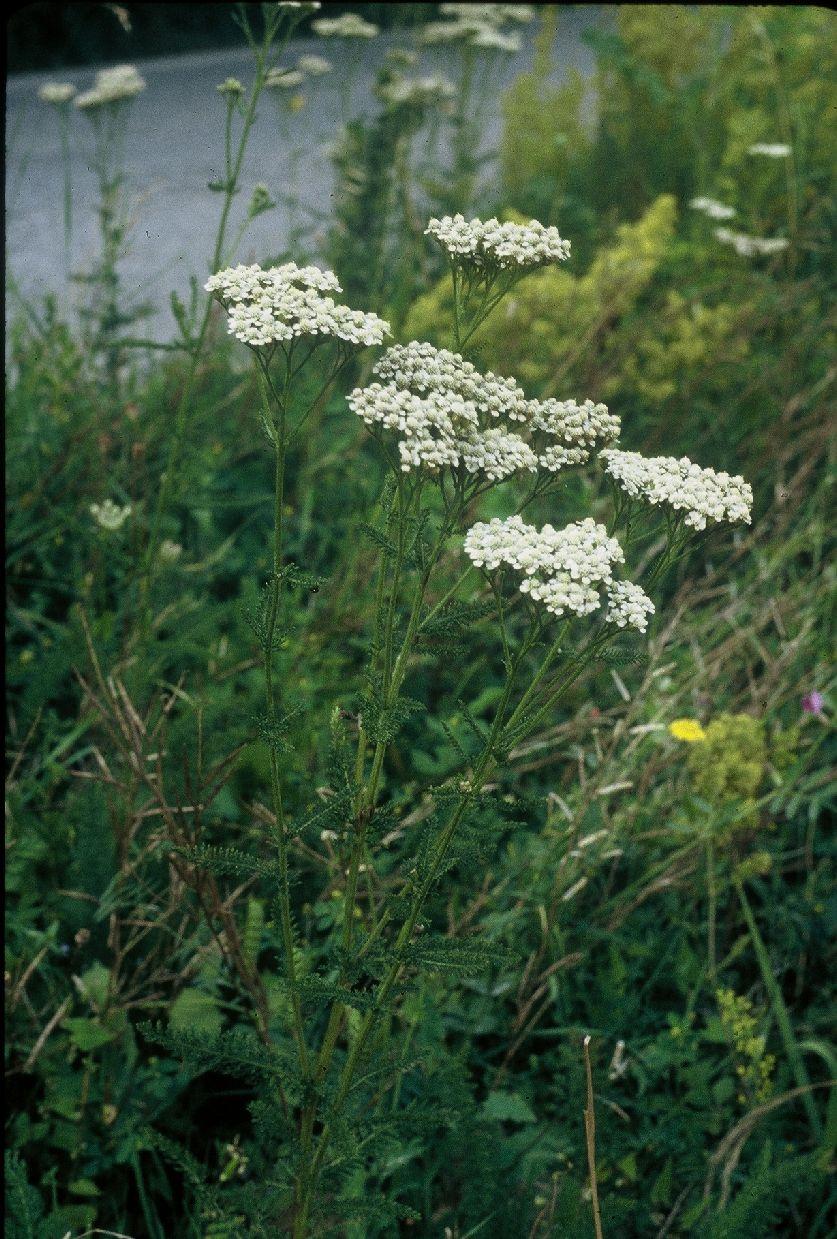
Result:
[[702, 494], [715, 210], [115, 85], [491, 244], [56, 93], [346, 26], [277, 304], [432, 429], [434, 88], [284, 79], [314, 66], [454, 410], [490, 14], [497, 40], [478, 25], [562, 568], [773, 150], [570, 431], [751, 247], [109, 514], [423, 368]]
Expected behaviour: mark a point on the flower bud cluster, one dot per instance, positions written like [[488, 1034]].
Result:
[[702, 494], [492, 244], [628, 604], [562, 568], [281, 303], [112, 86]]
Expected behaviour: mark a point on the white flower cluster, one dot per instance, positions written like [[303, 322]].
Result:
[[109, 514], [56, 92], [346, 26], [112, 86], [628, 604], [773, 150], [709, 206], [579, 428], [432, 429], [423, 368], [562, 568], [490, 14], [314, 66], [284, 79], [417, 90], [751, 247], [442, 429], [280, 303], [170, 551], [491, 243], [440, 403], [702, 494], [497, 453], [479, 25]]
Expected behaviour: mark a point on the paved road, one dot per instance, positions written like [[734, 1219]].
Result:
[[174, 146]]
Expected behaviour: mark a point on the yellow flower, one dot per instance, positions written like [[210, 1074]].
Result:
[[688, 729]]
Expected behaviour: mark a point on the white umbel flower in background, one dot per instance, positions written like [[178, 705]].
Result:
[[109, 514], [751, 247], [346, 26], [490, 243], [435, 88], [56, 93], [773, 150], [709, 206], [114, 85], [314, 66], [704, 495], [284, 79]]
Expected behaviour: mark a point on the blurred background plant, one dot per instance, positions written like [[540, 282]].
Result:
[[674, 900]]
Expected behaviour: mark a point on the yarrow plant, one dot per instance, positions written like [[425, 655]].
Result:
[[559, 596]]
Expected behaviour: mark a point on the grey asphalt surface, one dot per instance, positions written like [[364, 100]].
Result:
[[175, 146]]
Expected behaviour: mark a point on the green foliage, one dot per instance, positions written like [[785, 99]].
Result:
[[152, 1064]]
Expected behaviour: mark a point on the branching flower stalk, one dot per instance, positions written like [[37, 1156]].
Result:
[[279, 22]]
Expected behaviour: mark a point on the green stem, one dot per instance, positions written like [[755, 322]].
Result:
[[181, 418], [711, 916], [311, 1169], [780, 1011]]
